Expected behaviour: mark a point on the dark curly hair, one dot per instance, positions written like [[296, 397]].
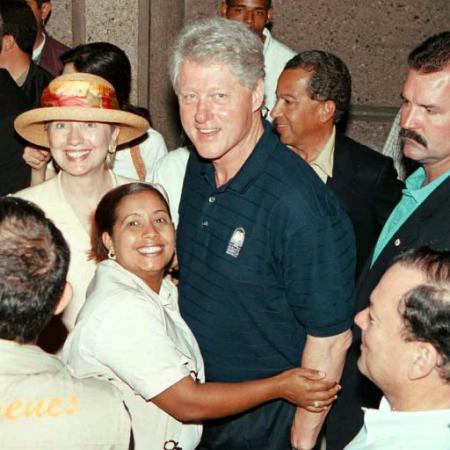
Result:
[[330, 78]]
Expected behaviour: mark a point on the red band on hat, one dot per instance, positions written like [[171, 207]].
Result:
[[79, 93]]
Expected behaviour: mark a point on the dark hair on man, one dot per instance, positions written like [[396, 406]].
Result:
[[105, 216], [268, 3], [330, 78], [19, 22], [425, 309], [433, 55], [40, 2], [34, 260], [109, 62]]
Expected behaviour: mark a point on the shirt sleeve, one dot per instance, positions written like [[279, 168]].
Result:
[[133, 342], [318, 261]]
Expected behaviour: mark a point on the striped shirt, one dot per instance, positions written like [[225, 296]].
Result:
[[264, 260]]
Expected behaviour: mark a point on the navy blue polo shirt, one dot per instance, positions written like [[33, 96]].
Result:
[[265, 260]]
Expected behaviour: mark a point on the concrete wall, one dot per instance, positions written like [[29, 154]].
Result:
[[372, 37]]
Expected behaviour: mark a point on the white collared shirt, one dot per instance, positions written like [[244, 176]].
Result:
[[36, 56], [137, 338]]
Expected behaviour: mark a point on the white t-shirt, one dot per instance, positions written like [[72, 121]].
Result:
[[169, 173], [276, 55], [152, 149], [137, 338]]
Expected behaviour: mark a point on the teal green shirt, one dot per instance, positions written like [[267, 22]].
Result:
[[412, 196]]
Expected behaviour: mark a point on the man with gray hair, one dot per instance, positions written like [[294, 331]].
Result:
[[405, 351], [266, 253]]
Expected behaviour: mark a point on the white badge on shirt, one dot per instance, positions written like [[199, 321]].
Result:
[[236, 242]]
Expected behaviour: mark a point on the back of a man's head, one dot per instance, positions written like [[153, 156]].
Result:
[[18, 22], [330, 78], [425, 309], [34, 260], [432, 55]]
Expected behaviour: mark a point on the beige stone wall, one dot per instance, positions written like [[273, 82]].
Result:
[[60, 22], [373, 37]]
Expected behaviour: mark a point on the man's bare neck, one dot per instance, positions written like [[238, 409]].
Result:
[[18, 65], [422, 399], [310, 148]]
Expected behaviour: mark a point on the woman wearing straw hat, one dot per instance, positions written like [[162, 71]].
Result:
[[81, 123], [137, 159]]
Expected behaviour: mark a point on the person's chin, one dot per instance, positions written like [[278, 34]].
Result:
[[361, 365], [412, 148]]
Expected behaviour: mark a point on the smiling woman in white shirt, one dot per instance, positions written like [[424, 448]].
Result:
[[131, 332]]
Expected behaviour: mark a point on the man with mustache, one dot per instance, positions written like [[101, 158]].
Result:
[[422, 217]]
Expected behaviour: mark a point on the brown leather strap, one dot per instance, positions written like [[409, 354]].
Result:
[[138, 162]]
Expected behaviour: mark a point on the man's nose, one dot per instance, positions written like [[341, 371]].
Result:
[[249, 16], [408, 117], [362, 318], [275, 111], [203, 111]]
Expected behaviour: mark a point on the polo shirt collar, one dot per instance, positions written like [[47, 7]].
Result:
[[252, 167], [414, 185], [26, 359]]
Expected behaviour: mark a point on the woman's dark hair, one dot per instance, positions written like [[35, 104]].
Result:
[[106, 214], [109, 62]]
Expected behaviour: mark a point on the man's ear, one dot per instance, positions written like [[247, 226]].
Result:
[[328, 110], [269, 15], [46, 9], [424, 360], [64, 300], [223, 9], [258, 95]]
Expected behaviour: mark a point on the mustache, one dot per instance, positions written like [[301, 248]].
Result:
[[413, 135]]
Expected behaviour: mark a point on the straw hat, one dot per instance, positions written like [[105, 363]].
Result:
[[79, 97]]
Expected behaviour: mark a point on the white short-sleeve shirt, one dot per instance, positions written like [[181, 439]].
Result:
[[151, 149], [137, 338], [169, 172]]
